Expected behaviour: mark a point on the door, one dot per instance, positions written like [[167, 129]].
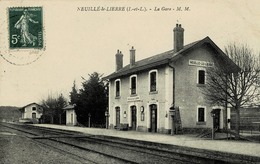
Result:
[[33, 115], [216, 122], [72, 119], [117, 117], [153, 116], [133, 114]]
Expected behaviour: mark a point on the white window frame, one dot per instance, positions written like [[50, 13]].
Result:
[[205, 113], [205, 79], [130, 84], [149, 80], [119, 87]]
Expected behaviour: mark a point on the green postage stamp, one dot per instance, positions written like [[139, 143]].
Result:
[[25, 27]]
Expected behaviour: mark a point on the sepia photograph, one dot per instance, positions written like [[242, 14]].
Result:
[[119, 81]]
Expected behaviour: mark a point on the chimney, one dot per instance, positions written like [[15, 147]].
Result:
[[178, 37], [119, 60], [132, 57]]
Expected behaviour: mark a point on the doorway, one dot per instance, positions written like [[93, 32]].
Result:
[[216, 122], [117, 117], [153, 117], [133, 117], [71, 117], [33, 115]]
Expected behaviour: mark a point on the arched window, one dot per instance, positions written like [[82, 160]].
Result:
[[133, 84], [117, 87], [153, 80]]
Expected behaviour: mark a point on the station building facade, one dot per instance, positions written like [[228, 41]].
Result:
[[31, 112], [142, 92]]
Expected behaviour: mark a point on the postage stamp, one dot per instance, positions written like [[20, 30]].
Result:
[[25, 28]]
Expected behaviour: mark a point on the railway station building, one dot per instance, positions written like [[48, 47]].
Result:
[[143, 94], [31, 113]]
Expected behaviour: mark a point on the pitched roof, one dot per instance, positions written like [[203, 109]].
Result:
[[29, 105], [69, 107], [166, 57]]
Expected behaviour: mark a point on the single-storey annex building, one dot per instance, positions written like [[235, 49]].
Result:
[[142, 93], [71, 117]]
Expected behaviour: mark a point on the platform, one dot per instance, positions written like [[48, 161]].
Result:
[[229, 146]]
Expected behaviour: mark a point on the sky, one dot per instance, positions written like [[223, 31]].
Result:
[[78, 43]]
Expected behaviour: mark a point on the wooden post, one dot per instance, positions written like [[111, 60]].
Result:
[[89, 115]]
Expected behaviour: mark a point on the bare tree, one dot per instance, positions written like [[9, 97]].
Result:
[[229, 86]]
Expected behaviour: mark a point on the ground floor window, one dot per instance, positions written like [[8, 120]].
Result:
[[201, 114]]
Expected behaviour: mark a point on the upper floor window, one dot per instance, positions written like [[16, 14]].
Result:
[[33, 108], [201, 114], [117, 83], [201, 76], [133, 82], [153, 80]]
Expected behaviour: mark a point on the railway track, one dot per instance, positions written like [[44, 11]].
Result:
[[79, 153], [99, 149]]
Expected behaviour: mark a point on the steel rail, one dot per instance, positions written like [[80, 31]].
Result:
[[73, 145]]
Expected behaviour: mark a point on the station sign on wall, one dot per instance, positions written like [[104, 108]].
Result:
[[201, 63], [136, 98]]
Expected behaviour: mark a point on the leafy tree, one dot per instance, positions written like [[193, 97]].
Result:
[[92, 100], [53, 109], [74, 96], [235, 88]]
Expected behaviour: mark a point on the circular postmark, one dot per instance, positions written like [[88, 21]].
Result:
[[22, 40]]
